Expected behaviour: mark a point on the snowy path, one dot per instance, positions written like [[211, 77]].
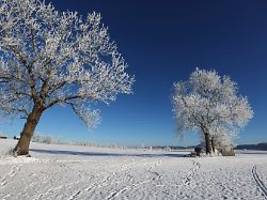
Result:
[[58, 172]]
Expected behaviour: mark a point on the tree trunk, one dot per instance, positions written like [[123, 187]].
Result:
[[212, 144], [208, 143], [22, 147]]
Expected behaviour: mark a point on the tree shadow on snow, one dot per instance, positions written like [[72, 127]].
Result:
[[78, 153], [253, 152]]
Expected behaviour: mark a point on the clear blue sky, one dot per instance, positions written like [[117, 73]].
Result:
[[163, 42]]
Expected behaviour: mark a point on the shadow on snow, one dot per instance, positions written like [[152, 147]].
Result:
[[78, 153]]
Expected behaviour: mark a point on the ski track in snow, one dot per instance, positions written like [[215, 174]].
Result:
[[115, 174], [258, 181]]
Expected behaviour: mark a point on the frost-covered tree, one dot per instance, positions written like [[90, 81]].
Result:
[[211, 105], [50, 58]]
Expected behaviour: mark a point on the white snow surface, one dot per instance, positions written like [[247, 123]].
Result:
[[74, 172]]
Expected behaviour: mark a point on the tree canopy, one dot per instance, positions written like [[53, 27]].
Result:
[[51, 57]]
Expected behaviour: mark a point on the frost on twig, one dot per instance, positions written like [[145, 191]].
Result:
[[49, 57], [211, 105]]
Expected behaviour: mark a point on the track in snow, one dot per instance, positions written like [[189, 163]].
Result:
[[13, 171], [75, 196], [258, 181], [133, 174], [191, 172], [155, 177]]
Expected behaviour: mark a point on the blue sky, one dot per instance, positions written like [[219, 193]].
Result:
[[163, 42]]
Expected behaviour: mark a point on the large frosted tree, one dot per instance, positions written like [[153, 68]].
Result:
[[210, 104], [50, 58]]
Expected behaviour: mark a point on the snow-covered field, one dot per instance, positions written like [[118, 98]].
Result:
[[75, 172]]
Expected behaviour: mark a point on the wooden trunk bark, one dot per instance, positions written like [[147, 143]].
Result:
[[22, 147], [213, 144], [209, 149]]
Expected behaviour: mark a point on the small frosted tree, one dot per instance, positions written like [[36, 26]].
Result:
[[50, 58], [210, 104]]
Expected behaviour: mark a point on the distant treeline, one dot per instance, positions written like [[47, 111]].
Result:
[[171, 147], [260, 146]]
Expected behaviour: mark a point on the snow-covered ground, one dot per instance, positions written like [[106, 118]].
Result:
[[75, 172]]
